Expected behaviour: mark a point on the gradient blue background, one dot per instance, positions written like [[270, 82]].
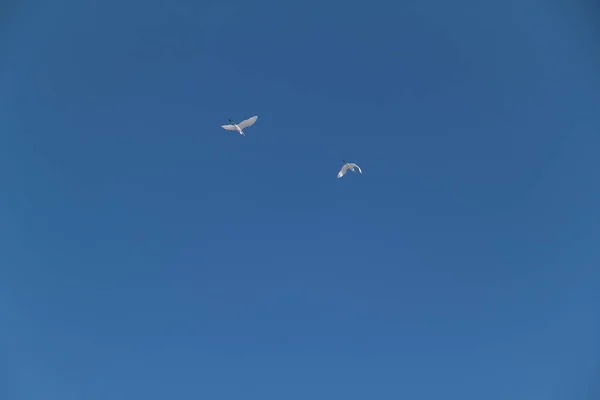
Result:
[[146, 253]]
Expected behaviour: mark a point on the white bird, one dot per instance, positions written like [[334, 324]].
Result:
[[346, 167], [241, 126]]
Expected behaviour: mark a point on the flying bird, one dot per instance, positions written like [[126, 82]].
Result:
[[346, 167], [241, 126]]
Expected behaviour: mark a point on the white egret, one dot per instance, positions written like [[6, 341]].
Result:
[[346, 167], [241, 126]]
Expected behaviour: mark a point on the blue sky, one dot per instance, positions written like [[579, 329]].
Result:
[[147, 253]]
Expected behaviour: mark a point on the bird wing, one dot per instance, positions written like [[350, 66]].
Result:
[[248, 122], [343, 171], [354, 165], [229, 127]]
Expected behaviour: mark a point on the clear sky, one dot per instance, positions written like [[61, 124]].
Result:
[[146, 253]]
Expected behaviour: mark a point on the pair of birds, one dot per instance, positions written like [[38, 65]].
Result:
[[250, 121]]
